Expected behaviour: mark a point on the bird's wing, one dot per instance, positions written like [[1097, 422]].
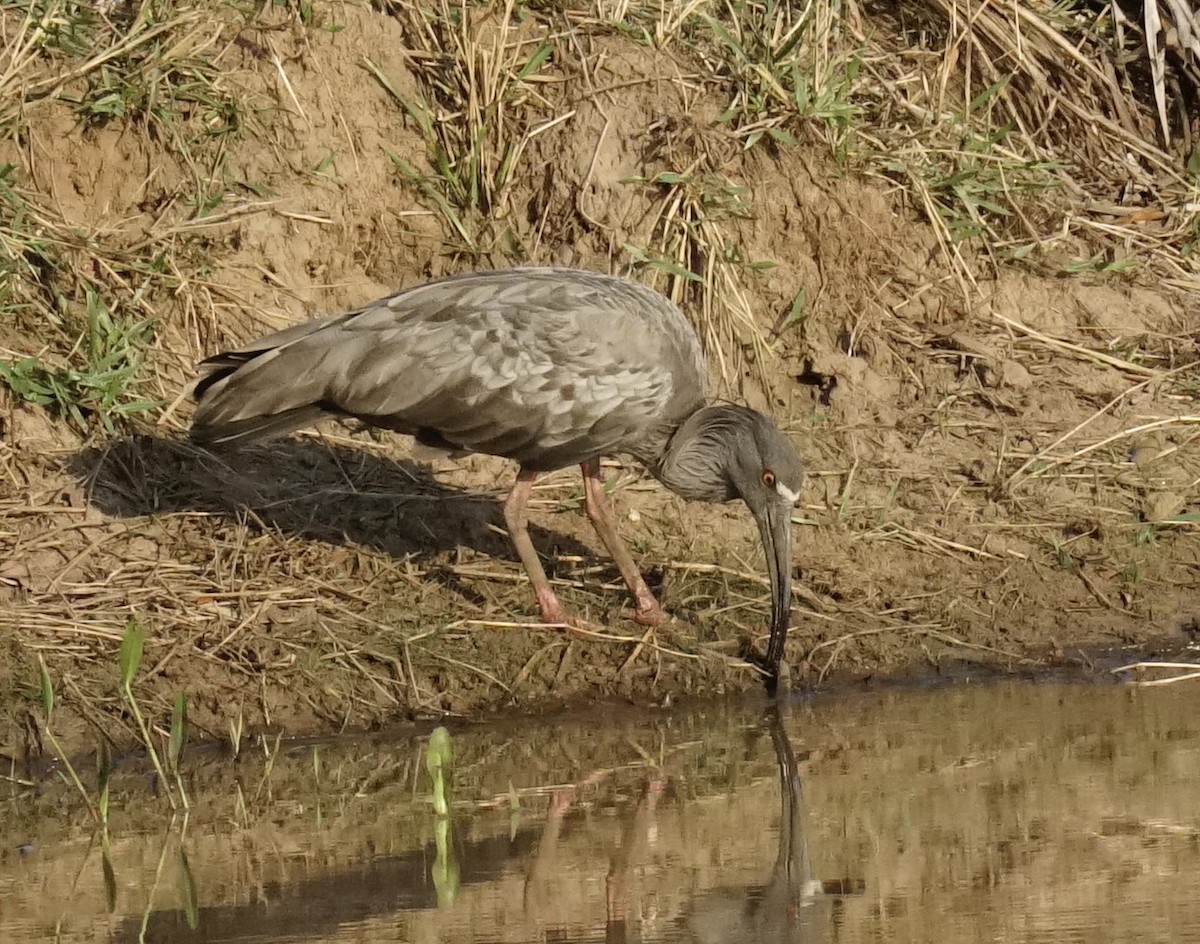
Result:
[[536, 365]]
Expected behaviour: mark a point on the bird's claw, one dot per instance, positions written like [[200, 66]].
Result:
[[645, 612], [554, 614], [647, 616], [646, 609]]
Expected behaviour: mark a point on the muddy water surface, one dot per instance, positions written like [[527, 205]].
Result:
[[1012, 812]]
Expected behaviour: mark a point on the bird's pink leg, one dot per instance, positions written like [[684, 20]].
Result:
[[517, 519], [599, 512]]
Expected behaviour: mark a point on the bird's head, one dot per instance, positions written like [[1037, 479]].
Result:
[[724, 452], [764, 469]]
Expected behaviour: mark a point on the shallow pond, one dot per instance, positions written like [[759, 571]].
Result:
[[1003, 812]]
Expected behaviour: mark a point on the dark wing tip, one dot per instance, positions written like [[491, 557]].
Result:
[[217, 368], [256, 428]]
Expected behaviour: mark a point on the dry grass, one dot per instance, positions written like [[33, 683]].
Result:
[[1182, 672], [91, 293], [479, 71], [1020, 124], [695, 251]]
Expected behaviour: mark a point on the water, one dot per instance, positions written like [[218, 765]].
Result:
[[1014, 813]]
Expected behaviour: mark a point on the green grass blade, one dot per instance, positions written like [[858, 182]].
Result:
[[539, 57], [47, 690], [110, 879], [780, 136], [104, 767], [439, 756], [131, 652], [178, 732], [432, 194], [675, 269], [724, 36], [418, 114], [445, 872], [187, 891], [796, 312]]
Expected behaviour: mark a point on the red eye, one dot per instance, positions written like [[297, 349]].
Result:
[[768, 478]]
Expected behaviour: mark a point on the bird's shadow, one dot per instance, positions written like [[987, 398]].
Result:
[[311, 488]]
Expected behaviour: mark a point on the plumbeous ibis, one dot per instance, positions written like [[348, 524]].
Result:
[[548, 367]]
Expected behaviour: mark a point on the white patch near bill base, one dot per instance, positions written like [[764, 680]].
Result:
[[786, 492]]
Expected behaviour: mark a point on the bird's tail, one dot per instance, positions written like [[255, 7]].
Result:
[[263, 390]]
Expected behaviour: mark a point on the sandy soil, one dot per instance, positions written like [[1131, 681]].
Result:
[[985, 482]]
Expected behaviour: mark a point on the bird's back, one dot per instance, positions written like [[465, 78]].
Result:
[[545, 366]]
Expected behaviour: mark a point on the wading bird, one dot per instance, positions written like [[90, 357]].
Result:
[[548, 367]]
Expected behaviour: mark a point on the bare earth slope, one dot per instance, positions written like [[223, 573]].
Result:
[[1003, 470]]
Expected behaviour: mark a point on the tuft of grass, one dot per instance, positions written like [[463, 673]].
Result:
[[786, 65], [1011, 127], [973, 181], [978, 187], [99, 378], [658, 24], [476, 113], [696, 248], [89, 293], [151, 65], [1001, 123]]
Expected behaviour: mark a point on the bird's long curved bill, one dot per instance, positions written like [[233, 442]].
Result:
[[775, 526]]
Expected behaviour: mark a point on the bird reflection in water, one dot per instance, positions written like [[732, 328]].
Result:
[[792, 906], [379, 891]]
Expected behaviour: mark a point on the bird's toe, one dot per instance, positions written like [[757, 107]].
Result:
[[647, 615]]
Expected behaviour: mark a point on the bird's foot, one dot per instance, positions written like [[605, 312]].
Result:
[[555, 614], [552, 610], [560, 802], [651, 618], [646, 611]]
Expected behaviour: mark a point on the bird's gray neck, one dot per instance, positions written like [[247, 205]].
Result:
[[699, 455]]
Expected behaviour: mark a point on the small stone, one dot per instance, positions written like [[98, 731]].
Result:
[[1163, 506], [1014, 374], [1146, 450]]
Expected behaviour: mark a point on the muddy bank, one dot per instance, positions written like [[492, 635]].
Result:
[[999, 470]]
